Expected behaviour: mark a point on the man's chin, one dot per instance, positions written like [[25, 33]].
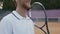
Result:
[[27, 7]]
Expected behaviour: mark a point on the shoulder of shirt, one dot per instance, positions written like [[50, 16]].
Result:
[[6, 20], [7, 17]]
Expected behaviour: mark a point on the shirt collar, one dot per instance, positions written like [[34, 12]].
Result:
[[19, 16]]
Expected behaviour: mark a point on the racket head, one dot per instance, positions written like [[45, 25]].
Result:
[[36, 12]]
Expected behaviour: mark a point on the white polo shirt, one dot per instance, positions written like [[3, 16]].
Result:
[[16, 24]]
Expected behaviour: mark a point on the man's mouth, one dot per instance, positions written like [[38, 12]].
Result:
[[27, 0]]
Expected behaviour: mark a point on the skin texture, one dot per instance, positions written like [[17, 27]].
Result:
[[22, 6]]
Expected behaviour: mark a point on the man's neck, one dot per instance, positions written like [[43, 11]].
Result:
[[21, 11]]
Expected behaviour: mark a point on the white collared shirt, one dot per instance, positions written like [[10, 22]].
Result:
[[16, 24]]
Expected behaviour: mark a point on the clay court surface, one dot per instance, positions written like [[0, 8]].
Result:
[[54, 28]]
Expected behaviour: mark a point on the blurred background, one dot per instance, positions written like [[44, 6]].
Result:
[[50, 5], [52, 10]]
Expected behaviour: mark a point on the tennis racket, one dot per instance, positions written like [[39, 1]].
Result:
[[38, 14]]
